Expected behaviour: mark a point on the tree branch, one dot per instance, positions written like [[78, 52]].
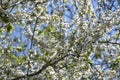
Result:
[[109, 42], [43, 68]]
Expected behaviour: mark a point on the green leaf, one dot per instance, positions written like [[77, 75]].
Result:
[[1, 30], [115, 63], [10, 27], [74, 32], [4, 18], [88, 59], [117, 60], [98, 55], [20, 49], [80, 40], [52, 28], [13, 58], [48, 30]]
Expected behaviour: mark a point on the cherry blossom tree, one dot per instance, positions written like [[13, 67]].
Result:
[[59, 39]]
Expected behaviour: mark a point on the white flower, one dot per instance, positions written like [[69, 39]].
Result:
[[20, 73]]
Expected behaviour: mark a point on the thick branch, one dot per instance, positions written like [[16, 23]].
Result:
[[109, 42], [43, 68]]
